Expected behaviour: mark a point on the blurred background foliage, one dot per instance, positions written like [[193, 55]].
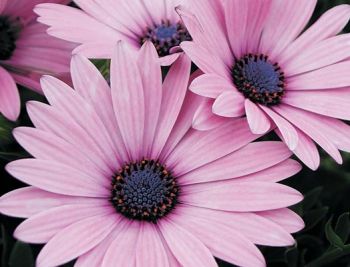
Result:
[[325, 241]]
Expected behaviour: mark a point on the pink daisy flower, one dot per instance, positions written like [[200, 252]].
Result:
[[259, 62], [120, 178], [101, 23], [26, 52]]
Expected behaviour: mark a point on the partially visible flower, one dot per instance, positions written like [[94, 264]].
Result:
[[270, 70], [26, 53], [101, 23], [119, 177]]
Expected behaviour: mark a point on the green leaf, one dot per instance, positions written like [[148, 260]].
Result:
[[330, 256], [103, 66], [6, 243], [292, 257], [332, 237], [342, 227], [311, 198], [313, 217], [21, 255]]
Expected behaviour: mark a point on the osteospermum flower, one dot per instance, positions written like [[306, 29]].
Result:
[[101, 23], [119, 177], [26, 52], [268, 68]]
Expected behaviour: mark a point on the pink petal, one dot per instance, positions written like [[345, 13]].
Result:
[[204, 119], [309, 124], [48, 119], [172, 101], [87, 234], [10, 105], [241, 196], [257, 13], [210, 85], [334, 76], [45, 145], [319, 55], [288, 131], [152, 86], [3, 5], [338, 130], [331, 103], [86, 28], [209, 17], [329, 24], [255, 228], [41, 60], [236, 13], [188, 250], [29, 82], [105, 12], [229, 104], [257, 119], [57, 178], [28, 201], [149, 237], [244, 37], [223, 241], [206, 61], [306, 150], [125, 242], [202, 147], [41, 227], [92, 86], [94, 257], [101, 49], [276, 173], [252, 158], [292, 17], [169, 59], [285, 218], [128, 99], [183, 123]]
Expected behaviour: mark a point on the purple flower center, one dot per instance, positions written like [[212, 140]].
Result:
[[144, 190], [166, 36], [8, 36], [258, 79]]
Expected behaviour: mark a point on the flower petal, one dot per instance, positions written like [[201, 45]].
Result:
[[152, 88], [252, 158], [241, 196], [257, 119], [285, 218], [149, 237], [125, 241], [334, 76], [41, 227], [229, 104], [57, 178], [10, 105], [204, 119], [174, 91], [331, 103], [187, 249], [210, 85], [128, 99], [223, 241], [329, 24], [309, 124], [277, 36], [87, 234], [288, 131], [201, 147]]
